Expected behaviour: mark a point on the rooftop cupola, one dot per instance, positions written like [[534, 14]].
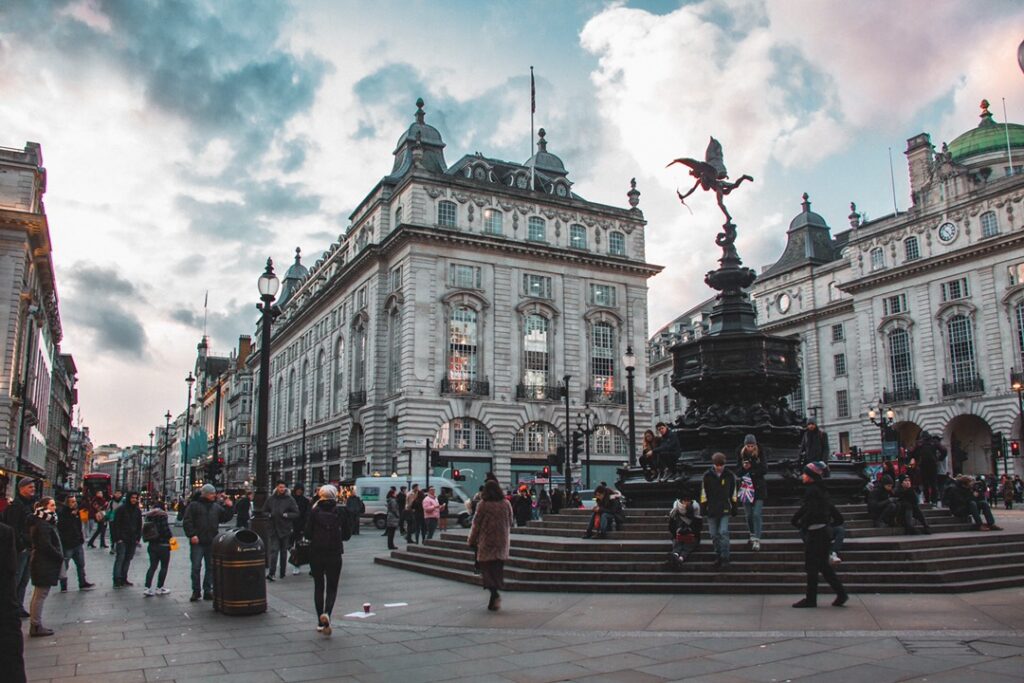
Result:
[[421, 145], [292, 279], [808, 241], [544, 160]]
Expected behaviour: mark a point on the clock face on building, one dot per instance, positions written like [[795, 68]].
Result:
[[783, 302], [561, 190], [521, 182], [947, 232]]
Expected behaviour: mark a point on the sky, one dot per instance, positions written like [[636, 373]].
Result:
[[185, 141]]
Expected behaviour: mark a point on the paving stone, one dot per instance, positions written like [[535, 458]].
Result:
[[545, 674], [170, 673], [104, 666]]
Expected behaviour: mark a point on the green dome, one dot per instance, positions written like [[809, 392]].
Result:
[[988, 137]]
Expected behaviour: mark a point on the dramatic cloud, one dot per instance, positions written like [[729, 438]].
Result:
[[99, 301]]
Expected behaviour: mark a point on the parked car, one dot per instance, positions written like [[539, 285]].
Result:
[[374, 490]]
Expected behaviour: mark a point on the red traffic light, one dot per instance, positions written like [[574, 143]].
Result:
[[1015, 448], [547, 471], [457, 475]]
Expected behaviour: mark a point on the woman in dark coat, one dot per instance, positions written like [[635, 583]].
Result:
[[812, 519], [327, 527], [393, 518], [45, 563], [492, 524]]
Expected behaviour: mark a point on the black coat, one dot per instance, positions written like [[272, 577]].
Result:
[[718, 493], [202, 518], [927, 456], [685, 522], [69, 527], [523, 508], [958, 499], [878, 499], [243, 509], [127, 526], [159, 519], [47, 559], [816, 508], [668, 449], [299, 523], [10, 608], [18, 516], [317, 521], [813, 446]]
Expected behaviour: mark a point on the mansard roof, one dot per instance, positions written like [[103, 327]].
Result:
[[808, 242]]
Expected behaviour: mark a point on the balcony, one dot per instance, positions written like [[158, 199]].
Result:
[[963, 387], [465, 387], [539, 392], [356, 399], [909, 394], [606, 397]]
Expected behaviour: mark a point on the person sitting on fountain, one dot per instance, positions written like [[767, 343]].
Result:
[[718, 498], [648, 461], [684, 524], [813, 444], [964, 500], [667, 451], [883, 503], [909, 509]]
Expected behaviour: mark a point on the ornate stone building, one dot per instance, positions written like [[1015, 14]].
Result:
[[450, 310]]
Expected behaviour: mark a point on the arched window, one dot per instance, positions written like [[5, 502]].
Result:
[[1019, 311], [339, 375], [398, 216], [911, 249], [394, 350], [900, 364], [602, 358], [291, 399], [304, 394], [609, 440], [537, 437], [355, 442], [989, 224], [463, 341], [616, 244], [577, 236], [962, 366], [464, 434], [877, 258], [320, 405], [492, 222], [536, 358], [279, 405], [446, 214], [537, 229], [359, 360]]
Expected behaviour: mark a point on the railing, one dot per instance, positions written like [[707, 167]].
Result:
[[465, 387], [601, 396], [966, 385], [539, 392], [902, 395], [356, 399]]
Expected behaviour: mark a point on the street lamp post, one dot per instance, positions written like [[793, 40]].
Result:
[[629, 362], [581, 419], [185, 487], [149, 484], [268, 285], [167, 451], [884, 420], [568, 426], [1017, 384]]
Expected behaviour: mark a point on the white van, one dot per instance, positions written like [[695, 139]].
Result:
[[374, 490]]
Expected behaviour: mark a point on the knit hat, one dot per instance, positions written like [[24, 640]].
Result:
[[887, 480], [328, 492], [816, 470], [207, 489], [749, 439], [25, 481]]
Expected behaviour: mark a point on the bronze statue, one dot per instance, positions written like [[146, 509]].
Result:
[[711, 175]]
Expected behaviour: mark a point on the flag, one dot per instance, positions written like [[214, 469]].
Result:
[[533, 93]]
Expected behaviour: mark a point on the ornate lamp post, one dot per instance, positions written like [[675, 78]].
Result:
[[167, 450], [149, 469], [582, 419], [629, 362], [568, 426], [185, 487], [884, 420], [267, 285], [1017, 378]]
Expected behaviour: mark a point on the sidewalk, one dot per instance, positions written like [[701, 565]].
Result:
[[445, 633]]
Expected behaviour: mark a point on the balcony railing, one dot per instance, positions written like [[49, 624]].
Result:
[[601, 396], [963, 386], [465, 387], [539, 392], [902, 395], [356, 399]]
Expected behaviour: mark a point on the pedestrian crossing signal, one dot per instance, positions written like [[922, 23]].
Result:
[[1015, 448], [457, 475]]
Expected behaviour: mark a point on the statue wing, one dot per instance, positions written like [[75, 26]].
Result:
[[698, 166], [714, 158]]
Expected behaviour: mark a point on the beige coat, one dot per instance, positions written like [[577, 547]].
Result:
[[492, 523]]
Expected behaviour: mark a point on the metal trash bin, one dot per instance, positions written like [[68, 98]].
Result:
[[239, 585]]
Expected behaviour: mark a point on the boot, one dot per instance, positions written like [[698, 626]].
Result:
[[840, 600], [39, 631], [805, 603]]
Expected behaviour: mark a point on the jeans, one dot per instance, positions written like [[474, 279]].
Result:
[[76, 555], [431, 527], [326, 574], [202, 554], [101, 532], [719, 528], [35, 611], [159, 556], [391, 537], [22, 576], [279, 546], [980, 505], [123, 554], [754, 513]]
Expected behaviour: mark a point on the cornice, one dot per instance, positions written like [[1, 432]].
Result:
[[834, 308]]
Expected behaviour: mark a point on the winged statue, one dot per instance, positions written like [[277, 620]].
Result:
[[711, 175]]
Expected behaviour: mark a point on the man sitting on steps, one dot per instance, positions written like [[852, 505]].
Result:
[[966, 498]]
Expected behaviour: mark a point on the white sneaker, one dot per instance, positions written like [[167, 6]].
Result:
[[162, 591], [149, 592], [756, 545], [295, 571], [325, 625], [834, 559]]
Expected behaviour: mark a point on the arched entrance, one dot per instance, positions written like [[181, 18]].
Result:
[[969, 439], [907, 432]]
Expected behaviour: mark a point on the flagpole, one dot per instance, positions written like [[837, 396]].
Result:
[[533, 153], [1006, 130]]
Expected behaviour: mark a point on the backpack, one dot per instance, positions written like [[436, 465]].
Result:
[[149, 531], [330, 529]]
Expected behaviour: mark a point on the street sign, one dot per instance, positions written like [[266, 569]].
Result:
[[414, 443]]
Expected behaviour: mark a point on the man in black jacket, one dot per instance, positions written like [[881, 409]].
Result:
[[718, 500], [201, 524], [909, 510], [12, 643], [813, 444], [813, 519], [243, 510], [883, 503], [299, 523], [126, 532], [666, 453], [18, 516], [72, 540]]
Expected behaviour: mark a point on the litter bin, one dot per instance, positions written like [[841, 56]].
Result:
[[239, 586]]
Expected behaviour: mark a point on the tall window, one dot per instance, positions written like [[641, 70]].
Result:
[[339, 376], [796, 400], [536, 229], [356, 443], [536, 437], [900, 366], [839, 363], [577, 236], [463, 340], [609, 440], [842, 403], [291, 399], [1019, 310], [616, 244], [398, 216], [492, 222], [394, 351], [961, 349], [304, 411], [446, 214], [877, 258], [911, 249], [279, 420], [838, 334], [989, 224], [535, 351], [359, 360], [395, 279], [602, 357], [319, 405]]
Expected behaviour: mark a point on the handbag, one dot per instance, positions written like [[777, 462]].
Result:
[[299, 554], [173, 543]]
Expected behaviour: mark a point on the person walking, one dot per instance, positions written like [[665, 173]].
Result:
[[126, 532], [99, 514], [243, 510], [18, 516], [157, 533], [327, 529], [111, 515], [522, 506], [355, 507], [813, 444], [753, 489], [45, 564], [283, 511], [299, 523], [201, 524], [72, 540], [12, 643], [412, 527], [925, 456], [402, 517], [812, 519], [489, 535], [718, 500], [393, 518]]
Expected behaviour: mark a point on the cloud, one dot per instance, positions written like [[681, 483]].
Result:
[[99, 303], [102, 281]]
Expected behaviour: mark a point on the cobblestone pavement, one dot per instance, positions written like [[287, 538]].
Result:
[[445, 633]]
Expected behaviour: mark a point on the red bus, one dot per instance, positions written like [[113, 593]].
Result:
[[94, 483]]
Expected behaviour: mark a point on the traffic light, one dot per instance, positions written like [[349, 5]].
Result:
[[435, 458], [457, 475], [546, 472], [577, 446], [1015, 448], [997, 444]]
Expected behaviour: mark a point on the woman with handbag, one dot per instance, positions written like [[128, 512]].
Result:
[[327, 529], [492, 525]]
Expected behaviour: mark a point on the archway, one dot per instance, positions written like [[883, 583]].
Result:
[[969, 439], [907, 432]]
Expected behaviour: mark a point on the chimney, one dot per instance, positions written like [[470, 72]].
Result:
[[244, 349], [919, 161]]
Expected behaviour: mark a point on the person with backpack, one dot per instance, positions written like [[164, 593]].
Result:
[[156, 532], [327, 528]]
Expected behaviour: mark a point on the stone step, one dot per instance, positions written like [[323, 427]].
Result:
[[735, 533], [649, 524]]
